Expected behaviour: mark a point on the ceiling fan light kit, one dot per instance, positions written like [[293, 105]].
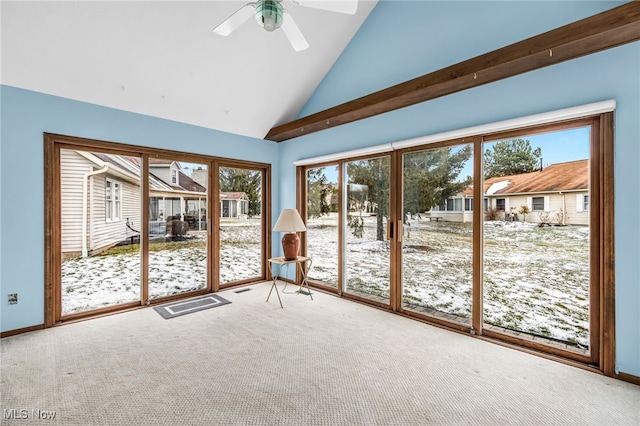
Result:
[[270, 15]]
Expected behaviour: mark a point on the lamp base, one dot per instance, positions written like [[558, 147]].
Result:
[[290, 246]]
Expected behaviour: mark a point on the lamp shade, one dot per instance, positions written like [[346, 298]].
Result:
[[289, 221]]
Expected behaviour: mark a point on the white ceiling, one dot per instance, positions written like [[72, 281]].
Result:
[[161, 58]]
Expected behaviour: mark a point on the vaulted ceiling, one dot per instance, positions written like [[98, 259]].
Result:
[[161, 58]]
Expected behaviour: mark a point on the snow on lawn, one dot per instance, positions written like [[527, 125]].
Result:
[[177, 267], [535, 278]]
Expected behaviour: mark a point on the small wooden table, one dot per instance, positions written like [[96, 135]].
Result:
[[304, 264]]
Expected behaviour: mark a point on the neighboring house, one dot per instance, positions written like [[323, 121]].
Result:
[[234, 205], [557, 194], [98, 198], [174, 196], [101, 200]]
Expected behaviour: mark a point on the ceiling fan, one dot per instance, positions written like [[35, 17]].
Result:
[[270, 15]]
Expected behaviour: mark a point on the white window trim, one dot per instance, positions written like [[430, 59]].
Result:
[[545, 205], [580, 204], [116, 208]]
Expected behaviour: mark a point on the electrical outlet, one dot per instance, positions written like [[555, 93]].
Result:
[[13, 299]]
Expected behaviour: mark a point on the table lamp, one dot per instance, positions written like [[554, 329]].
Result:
[[291, 223]]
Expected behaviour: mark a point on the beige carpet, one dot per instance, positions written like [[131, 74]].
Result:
[[321, 362]]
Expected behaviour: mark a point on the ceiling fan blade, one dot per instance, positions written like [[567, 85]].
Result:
[[293, 33], [341, 6], [238, 18]]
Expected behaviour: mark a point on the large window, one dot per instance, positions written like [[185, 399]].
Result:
[[178, 237], [367, 251], [242, 224], [525, 269], [130, 226], [99, 253], [437, 255], [322, 219], [536, 271]]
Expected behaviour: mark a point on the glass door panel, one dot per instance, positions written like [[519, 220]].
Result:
[[437, 240], [322, 224], [536, 239], [178, 221], [241, 232], [367, 250], [100, 230]]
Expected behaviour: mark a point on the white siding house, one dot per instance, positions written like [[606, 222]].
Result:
[[558, 194], [101, 200], [98, 200]]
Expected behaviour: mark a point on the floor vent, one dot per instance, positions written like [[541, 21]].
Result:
[[242, 290]]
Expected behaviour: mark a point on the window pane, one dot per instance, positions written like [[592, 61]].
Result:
[[108, 200], [437, 246], [177, 232], [100, 252], [116, 197], [537, 203], [241, 232], [322, 224], [367, 253], [468, 204], [536, 268]]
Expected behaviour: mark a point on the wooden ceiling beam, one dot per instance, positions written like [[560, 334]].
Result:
[[599, 32]]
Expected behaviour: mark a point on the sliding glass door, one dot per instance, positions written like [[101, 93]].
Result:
[[437, 238], [99, 228], [241, 227], [178, 223], [131, 226], [499, 235], [322, 220], [537, 240], [365, 214]]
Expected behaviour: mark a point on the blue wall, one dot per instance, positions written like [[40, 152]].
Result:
[[397, 43], [25, 116]]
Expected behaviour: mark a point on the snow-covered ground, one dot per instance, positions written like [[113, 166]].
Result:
[[535, 278], [107, 280]]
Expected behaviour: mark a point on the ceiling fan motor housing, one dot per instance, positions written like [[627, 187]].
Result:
[[269, 14]]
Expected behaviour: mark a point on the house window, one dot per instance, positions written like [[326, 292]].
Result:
[[113, 198], [585, 203], [468, 204], [537, 204], [450, 205], [500, 204], [174, 177]]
